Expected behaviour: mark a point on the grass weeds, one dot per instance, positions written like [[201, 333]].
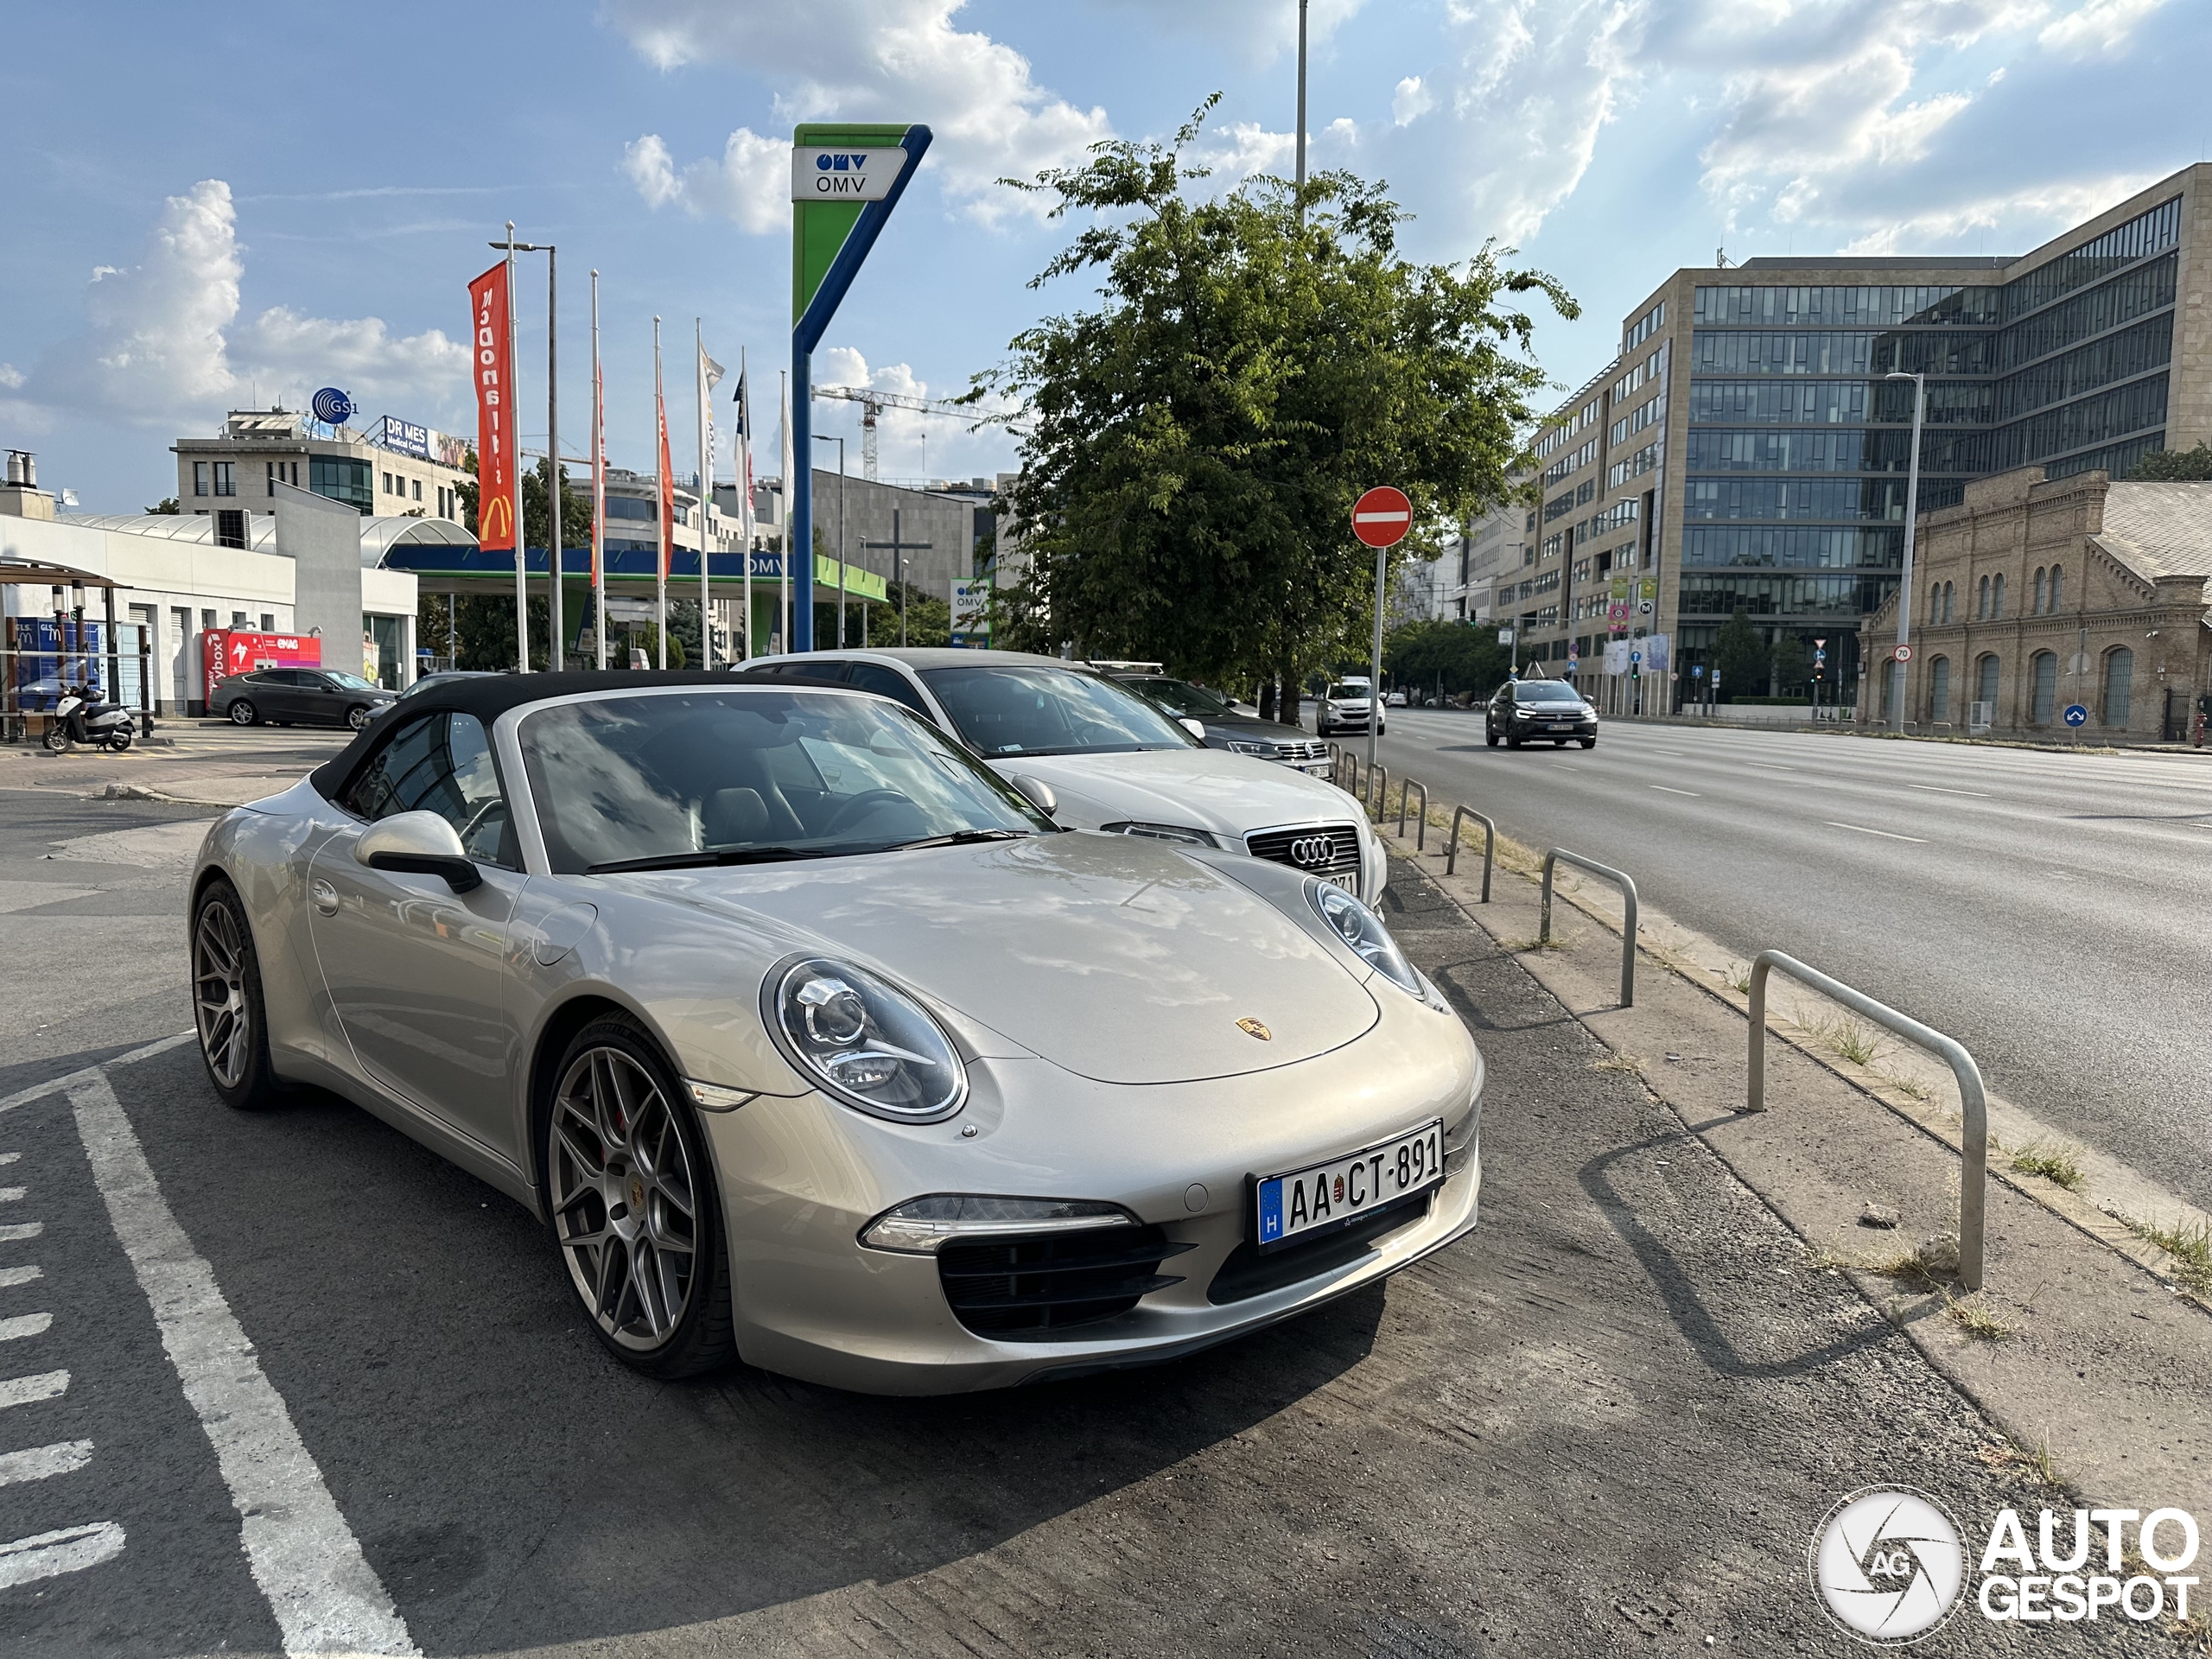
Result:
[[1974, 1316], [2052, 1160], [1631, 1063], [1911, 1088], [2190, 1246]]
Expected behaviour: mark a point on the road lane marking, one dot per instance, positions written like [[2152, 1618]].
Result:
[[1664, 790], [309, 1566], [71, 1550], [44, 1462], [10, 1157], [1885, 835], [67, 1080], [29, 1390], [1765, 766], [12, 1194], [21, 1230], [10, 1277], [1978, 795], [24, 1324]]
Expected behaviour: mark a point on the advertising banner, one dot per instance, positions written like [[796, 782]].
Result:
[[225, 651], [971, 615], [48, 649], [1654, 647], [1617, 606], [1617, 657], [1647, 597], [406, 437], [498, 508]]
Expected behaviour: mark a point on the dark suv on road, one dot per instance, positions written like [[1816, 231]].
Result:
[[1522, 711]]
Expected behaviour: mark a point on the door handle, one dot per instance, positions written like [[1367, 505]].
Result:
[[325, 897]]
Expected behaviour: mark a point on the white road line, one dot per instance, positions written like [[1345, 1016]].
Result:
[[10, 1157], [12, 1194], [1664, 790], [10, 1277], [1765, 766], [1979, 795], [1862, 829], [29, 1390], [71, 1550], [325, 1595], [70, 1079], [19, 1229], [24, 1324], [43, 1462]]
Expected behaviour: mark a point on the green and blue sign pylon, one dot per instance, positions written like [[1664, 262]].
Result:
[[845, 180]]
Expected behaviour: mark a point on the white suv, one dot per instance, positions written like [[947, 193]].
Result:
[[1112, 760], [1347, 706]]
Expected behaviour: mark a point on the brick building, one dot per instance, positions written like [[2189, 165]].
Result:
[[2033, 594]]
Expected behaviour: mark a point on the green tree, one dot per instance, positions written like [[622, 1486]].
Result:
[[1739, 658], [929, 618], [1460, 656], [1791, 664], [2175, 466], [168, 506], [1197, 441]]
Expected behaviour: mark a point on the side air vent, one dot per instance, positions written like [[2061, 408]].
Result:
[[1043, 1287]]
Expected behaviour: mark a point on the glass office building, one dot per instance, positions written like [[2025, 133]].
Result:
[[1746, 451]]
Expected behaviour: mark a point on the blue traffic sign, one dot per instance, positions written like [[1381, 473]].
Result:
[[2077, 714]]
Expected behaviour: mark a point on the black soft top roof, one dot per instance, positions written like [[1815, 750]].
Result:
[[488, 696]]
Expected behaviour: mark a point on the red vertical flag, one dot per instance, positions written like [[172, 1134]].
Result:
[[497, 510], [667, 483]]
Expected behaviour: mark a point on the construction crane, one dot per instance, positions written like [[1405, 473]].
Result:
[[873, 402]]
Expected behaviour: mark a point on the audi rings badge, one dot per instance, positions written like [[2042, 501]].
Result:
[[1313, 852]]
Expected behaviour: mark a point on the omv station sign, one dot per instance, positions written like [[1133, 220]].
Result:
[[845, 175]]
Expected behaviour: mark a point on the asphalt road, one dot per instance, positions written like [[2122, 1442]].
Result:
[[2049, 910], [1607, 1421]]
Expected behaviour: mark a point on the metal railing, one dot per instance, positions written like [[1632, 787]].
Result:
[[1973, 1105], [1490, 845], [1560, 854], [1420, 832], [1376, 796]]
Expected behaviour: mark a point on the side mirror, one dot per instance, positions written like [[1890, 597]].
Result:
[[1196, 728], [417, 843], [1038, 793]]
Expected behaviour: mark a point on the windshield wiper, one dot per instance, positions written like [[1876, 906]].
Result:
[[707, 860], [960, 838]]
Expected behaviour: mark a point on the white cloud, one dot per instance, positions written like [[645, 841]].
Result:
[[749, 184], [2101, 29], [10, 376], [1256, 31], [164, 344], [1411, 101], [2036, 206], [856, 60]]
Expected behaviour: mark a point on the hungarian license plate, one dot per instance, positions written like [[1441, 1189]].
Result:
[[1562, 725], [1324, 1196]]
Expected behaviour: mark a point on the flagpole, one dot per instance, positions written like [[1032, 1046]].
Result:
[[706, 495], [742, 463], [598, 486], [783, 603], [513, 394], [667, 509], [554, 495]]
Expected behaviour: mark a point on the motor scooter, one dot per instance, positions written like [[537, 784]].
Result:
[[81, 717]]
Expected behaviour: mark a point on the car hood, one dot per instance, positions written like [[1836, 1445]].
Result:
[[1120, 960], [1251, 726], [1230, 794]]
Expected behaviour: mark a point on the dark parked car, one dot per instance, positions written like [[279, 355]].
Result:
[[306, 697], [1227, 728], [431, 682], [1524, 711]]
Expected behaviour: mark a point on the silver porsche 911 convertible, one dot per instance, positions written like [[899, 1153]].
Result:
[[814, 1043]]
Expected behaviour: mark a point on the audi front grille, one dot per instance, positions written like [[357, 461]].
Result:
[[1328, 850]]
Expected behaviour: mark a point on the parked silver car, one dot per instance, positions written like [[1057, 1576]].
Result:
[[1113, 760], [812, 1042]]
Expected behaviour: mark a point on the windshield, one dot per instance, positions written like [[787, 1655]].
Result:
[[1185, 701], [741, 776], [351, 682], [1343, 693], [1545, 691], [1022, 710]]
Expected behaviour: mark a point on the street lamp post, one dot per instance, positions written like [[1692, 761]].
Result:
[[553, 491], [823, 439], [1911, 520]]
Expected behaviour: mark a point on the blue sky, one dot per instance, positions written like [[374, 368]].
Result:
[[255, 201]]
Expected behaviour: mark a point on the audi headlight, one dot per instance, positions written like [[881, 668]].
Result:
[[1363, 929], [867, 1043], [1183, 833], [921, 1226]]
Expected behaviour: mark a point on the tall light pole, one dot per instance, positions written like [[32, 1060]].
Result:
[[514, 446], [1301, 111], [820, 437], [1911, 518], [554, 493]]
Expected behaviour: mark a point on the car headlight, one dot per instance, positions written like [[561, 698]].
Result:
[[1363, 929], [1183, 833], [865, 1042], [1264, 750], [921, 1226]]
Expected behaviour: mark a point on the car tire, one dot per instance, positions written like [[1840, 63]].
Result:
[[228, 1011], [357, 716], [1490, 738], [621, 1141], [242, 713], [1587, 742]]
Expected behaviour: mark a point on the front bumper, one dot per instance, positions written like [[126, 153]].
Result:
[[800, 1176]]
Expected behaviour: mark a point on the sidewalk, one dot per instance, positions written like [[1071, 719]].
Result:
[[208, 764], [2097, 1366]]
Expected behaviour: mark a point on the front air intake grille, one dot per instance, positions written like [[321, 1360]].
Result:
[[1250, 1272], [1310, 749], [1041, 1287], [1328, 850]]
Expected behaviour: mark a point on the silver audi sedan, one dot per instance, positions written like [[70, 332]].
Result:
[[814, 1043]]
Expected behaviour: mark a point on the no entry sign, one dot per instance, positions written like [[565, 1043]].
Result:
[[1382, 517]]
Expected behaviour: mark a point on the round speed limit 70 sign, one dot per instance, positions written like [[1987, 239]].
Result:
[[1904, 654]]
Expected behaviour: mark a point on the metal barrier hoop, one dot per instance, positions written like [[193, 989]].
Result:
[[1627, 920], [1490, 845]]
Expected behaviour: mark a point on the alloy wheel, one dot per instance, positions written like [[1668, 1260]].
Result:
[[625, 1201], [223, 1015]]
